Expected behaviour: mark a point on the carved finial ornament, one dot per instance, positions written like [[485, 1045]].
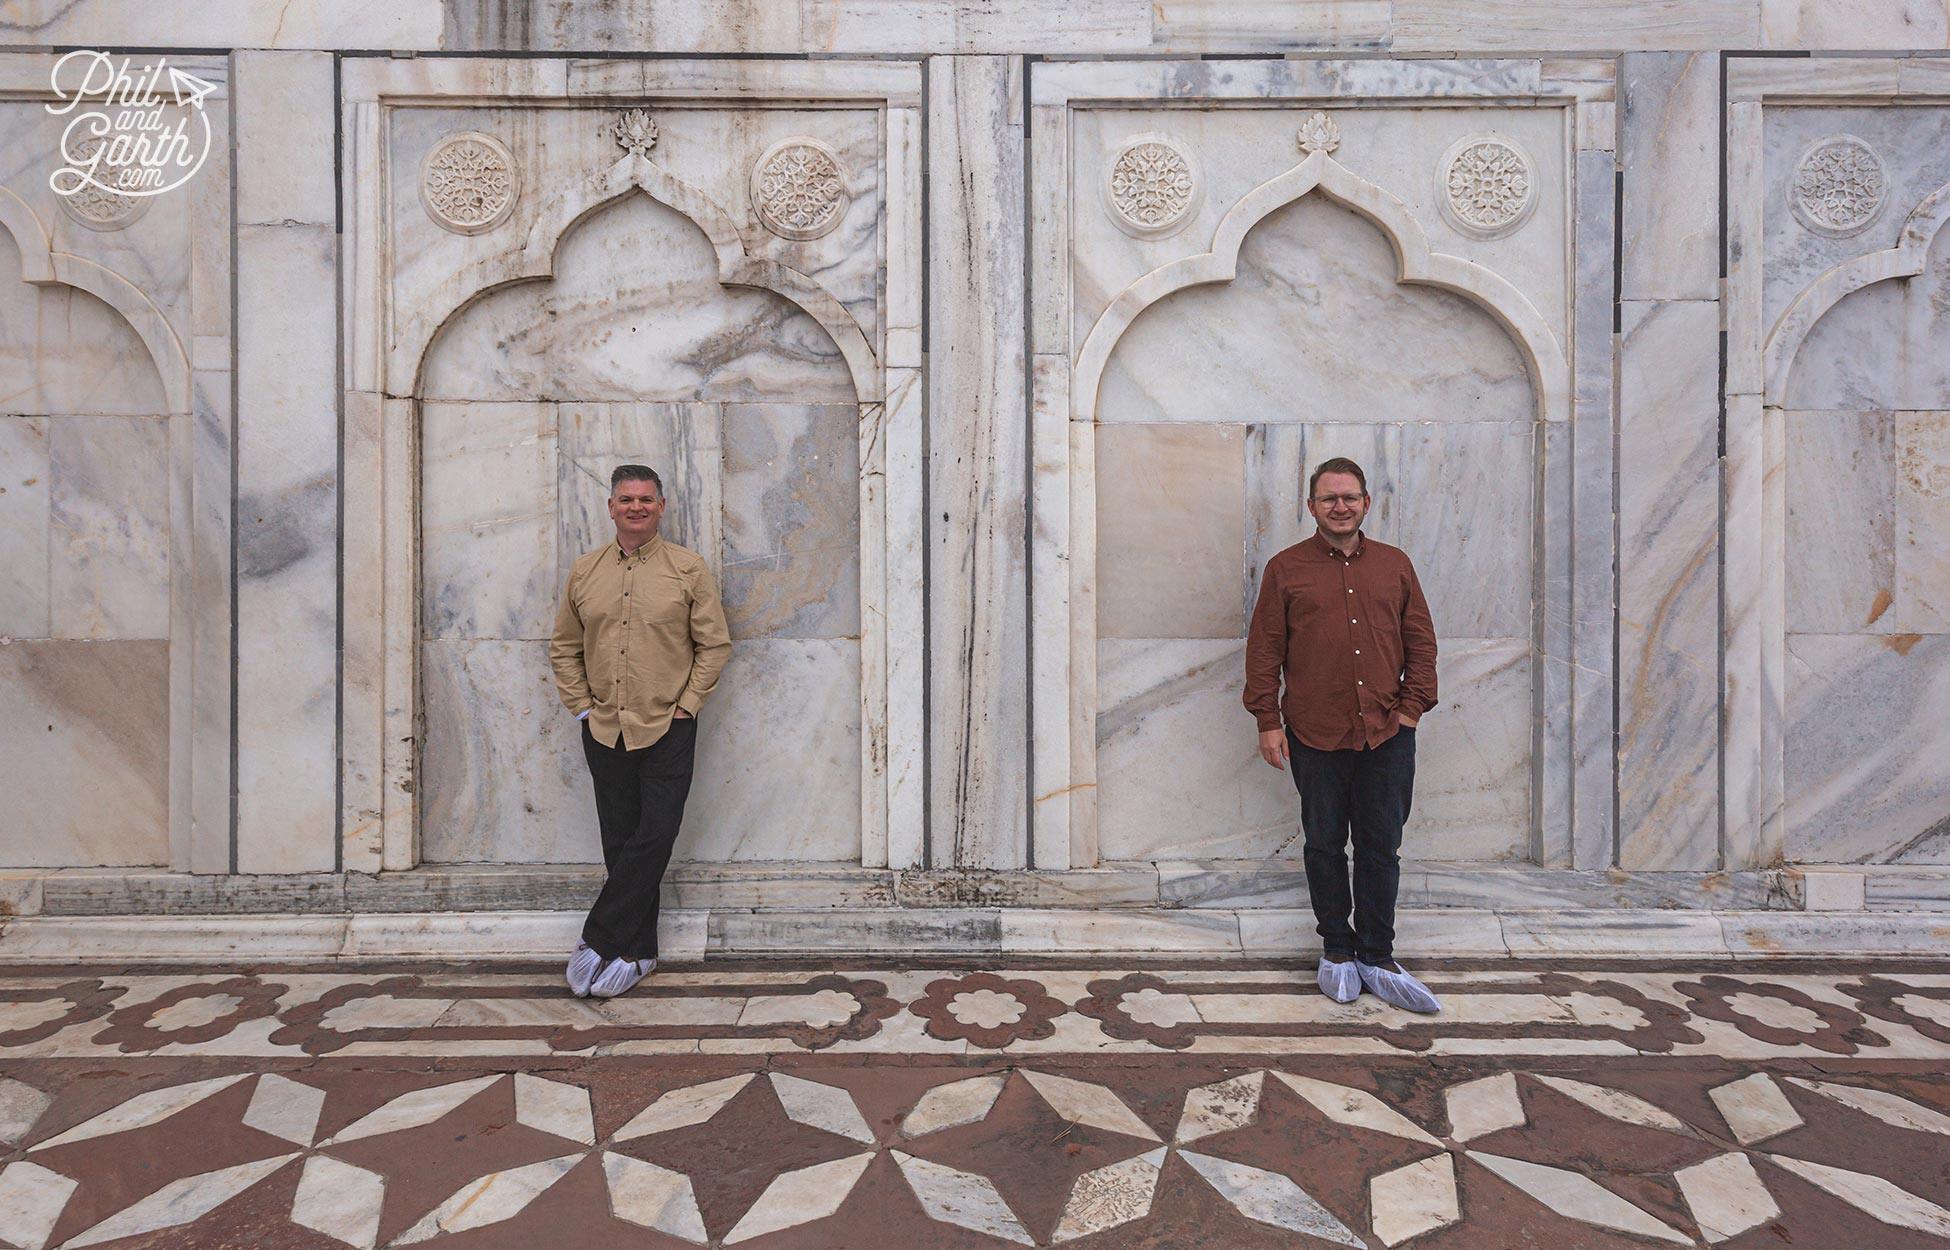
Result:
[[1319, 134], [635, 132]]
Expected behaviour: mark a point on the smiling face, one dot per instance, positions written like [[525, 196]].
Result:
[[637, 508], [1339, 504]]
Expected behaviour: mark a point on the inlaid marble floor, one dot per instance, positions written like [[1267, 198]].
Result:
[[1181, 1106]]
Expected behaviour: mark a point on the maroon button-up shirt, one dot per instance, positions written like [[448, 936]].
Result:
[[1352, 636]]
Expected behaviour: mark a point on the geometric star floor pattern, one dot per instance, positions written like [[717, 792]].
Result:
[[775, 1106]]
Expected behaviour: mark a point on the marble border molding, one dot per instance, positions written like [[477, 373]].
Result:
[[1573, 383], [386, 346], [1760, 358], [191, 348]]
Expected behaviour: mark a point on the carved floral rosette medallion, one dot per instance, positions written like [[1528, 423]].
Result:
[[1839, 186], [799, 189], [1152, 186], [96, 207], [469, 183], [1488, 186]]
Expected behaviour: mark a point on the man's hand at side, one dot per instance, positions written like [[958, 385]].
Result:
[[1272, 747], [680, 714]]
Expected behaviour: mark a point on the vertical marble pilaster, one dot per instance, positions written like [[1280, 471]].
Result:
[[1671, 158], [1593, 559], [906, 621], [24, 515], [978, 702], [287, 463], [1669, 556]]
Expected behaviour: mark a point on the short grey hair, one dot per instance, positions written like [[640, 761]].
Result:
[[635, 473]]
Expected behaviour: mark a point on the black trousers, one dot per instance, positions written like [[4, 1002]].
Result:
[[1367, 792], [639, 806]]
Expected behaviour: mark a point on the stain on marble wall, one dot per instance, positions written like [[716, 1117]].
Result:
[[1214, 407]]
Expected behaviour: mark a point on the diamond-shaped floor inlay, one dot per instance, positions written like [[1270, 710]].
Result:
[[654, 1197], [1271, 1198], [31, 1201], [800, 1197], [413, 1109], [339, 1200], [1110, 1197], [1415, 1199], [1726, 1196], [1578, 1197], [961, 1198], [1872, 1195], [1755, 1108], [1221, 1107], [491, 1199], [179, 1202]]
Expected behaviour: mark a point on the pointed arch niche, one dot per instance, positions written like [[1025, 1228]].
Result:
[[1318, 192], [629, 305]]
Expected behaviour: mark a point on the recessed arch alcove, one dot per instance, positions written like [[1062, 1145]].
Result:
[[635, 351], [1213, 404]]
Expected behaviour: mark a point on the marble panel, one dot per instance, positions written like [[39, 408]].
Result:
[[1865, 743], [284, 104], [1515, 25], [63, 350], [977, 440], [1466, 515], [488, 520], [1671, 239], [634, 312], [1178, 769], [109, 527], [1668, 578], [1280, 458], [84, 731], [238, 24], [1923, 521], [1854, 24], [778, 756], [1170, 541], [792, 520], [1473, 756], [1881, 346], [682, 442], [24, 472], [1315, 328], [1269, 25], [502, 777], [1841, 522]]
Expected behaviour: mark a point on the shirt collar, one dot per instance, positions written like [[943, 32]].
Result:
[[647, 549], [1323, 549]]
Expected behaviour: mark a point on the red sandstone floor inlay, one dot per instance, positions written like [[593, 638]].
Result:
[[784, 1107]]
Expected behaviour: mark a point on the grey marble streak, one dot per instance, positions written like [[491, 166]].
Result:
[[1923, 521], [1671, 144], [792, 520], [1914, 143], [1467, 507], [1170, 510], [1841, 522], [108, 525], [1669, 519], [24, 464], [1866, 741], [1884, 346], [488, 520], [1314, 328], [84, 753], [635, 312], [63, 350], [681, 442]]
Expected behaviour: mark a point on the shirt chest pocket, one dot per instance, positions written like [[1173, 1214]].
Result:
[[659, 602]]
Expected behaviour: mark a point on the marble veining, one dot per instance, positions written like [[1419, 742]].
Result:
[[792, 520]]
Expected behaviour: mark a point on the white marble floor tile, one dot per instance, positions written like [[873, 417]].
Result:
[[1355, 1108], [821, 1010], [681, 1108], [1089, 1104], [1155, 1007], [680, 1012], [1577, 1197], [985, 1009], [179, 1202], [31, 1201], [143, 1110], [554, 1107], [656, 1198], [956, 1103], [1272, 1199], [1617, 1105], [1884, 1106], [1415, 1199], [800, 1197], [1872, 1195], [822, 1106], [962, 1199], [1483, 1106], [1110, 1196], [20, 1108], [1221, 1107], [1726, 1196], [412, 1109], [491, 1199], [383, 1011], [284, 1108], [1755, 1108], [339, 1200]]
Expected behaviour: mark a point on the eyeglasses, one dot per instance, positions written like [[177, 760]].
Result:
[[1345, 501]]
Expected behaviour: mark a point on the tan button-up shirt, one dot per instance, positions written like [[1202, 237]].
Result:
[[638, 636]]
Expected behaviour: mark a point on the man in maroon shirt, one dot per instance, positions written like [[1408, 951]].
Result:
[[1343, 619]]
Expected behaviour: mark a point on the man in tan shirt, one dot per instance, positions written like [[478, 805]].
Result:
[[639, 642]]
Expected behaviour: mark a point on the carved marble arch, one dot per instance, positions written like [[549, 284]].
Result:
[[1907, 259], [1416, 263], [42, 266]]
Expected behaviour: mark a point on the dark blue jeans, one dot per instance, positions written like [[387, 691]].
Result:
[[1367, 792]]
